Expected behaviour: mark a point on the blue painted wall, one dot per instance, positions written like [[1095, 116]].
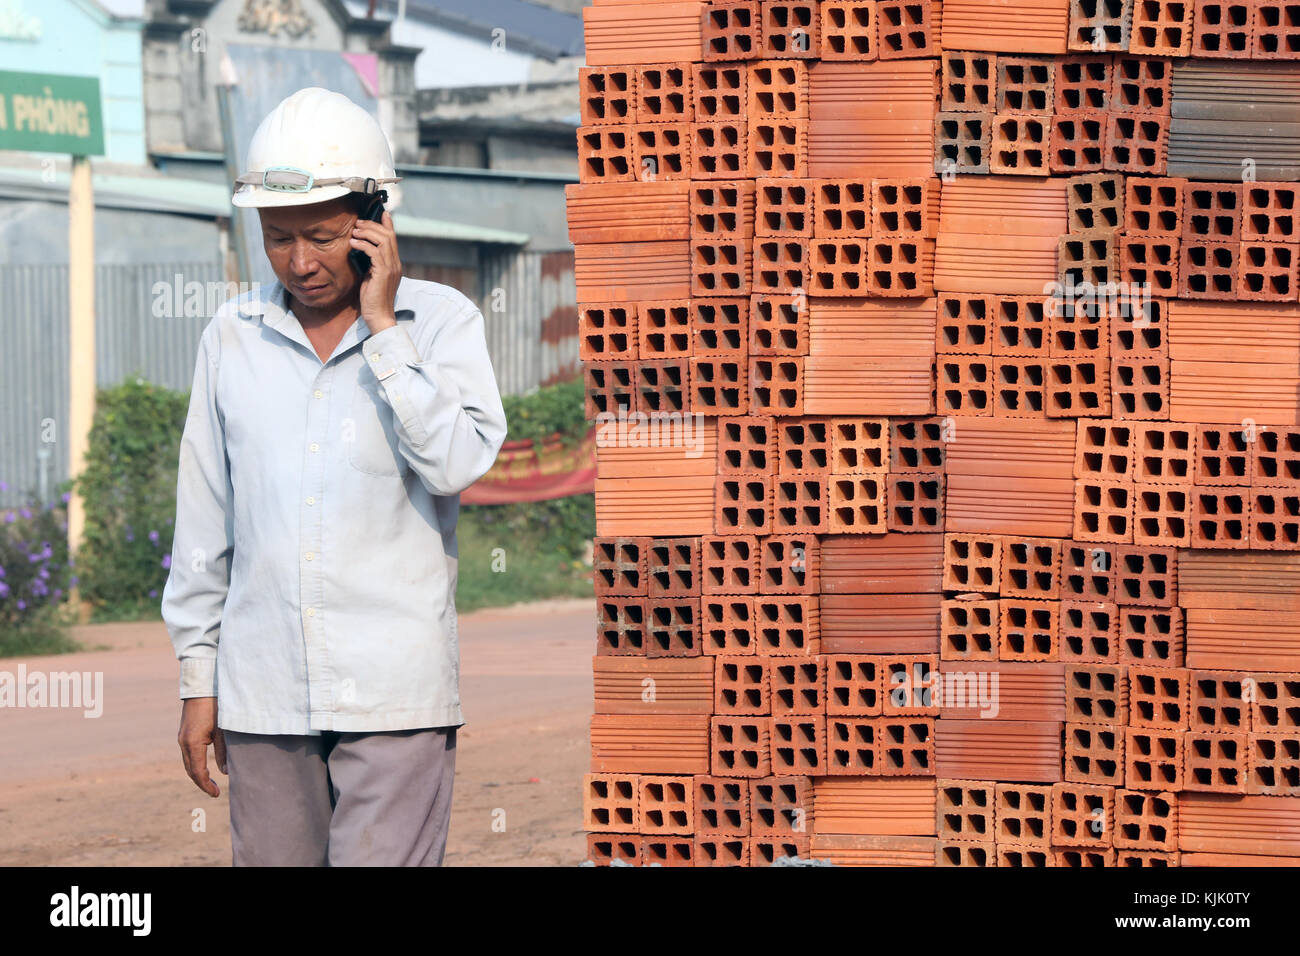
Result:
[[81, 38]]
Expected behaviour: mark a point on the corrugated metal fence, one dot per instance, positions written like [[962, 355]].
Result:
[[130, 340], [529, 307], [142, 330]]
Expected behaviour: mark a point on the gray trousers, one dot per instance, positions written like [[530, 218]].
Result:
[[340, 799]]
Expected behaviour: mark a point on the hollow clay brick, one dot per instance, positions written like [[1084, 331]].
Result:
[[848, 29], [1142, 84], [962, 142], [1103, 511], [673, 627], [1096, 693], [603, 848], [1215, 762], [727, 622], [665, 805], [1153, 759], [621, 625], [1083, 83], [1161, 28], [620, 566], [1151, 636], [853, 685], [1158, 697], [789, 564], [740, 747], [1082, 815], [673, 567], [1094, 753], [968, 630], [798, 686], [1028, 630], [787, 625], [1221, 28], [730, 30], [1275, 30], [721, 806], [798, 744], [741, 686], [781, 806], [720, 150], [1023, 814], [907, 28], [720, 92], [610, 802], [1146, 821], [965, 811], [789, 28], [607, 331], [1089, 631]]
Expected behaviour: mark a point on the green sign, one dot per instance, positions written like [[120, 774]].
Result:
[[46, 113]]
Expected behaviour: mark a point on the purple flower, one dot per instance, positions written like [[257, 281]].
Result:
[[4, 589], [72, 581], [4, 486], [22, 605], [167, 561], [2, 570], [66, 497], [9, 517], [44, 574], [153, 536], [130, 536], [58, 593], [153, 592], [25, 512]]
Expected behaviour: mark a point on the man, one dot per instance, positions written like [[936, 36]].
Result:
[[332, 425]]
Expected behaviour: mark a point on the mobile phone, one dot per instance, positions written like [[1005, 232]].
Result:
[[374, 211]]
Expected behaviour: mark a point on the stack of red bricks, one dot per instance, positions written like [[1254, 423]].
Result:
[[948, 467]]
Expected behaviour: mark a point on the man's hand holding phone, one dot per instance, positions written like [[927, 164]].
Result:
[[378, 240]]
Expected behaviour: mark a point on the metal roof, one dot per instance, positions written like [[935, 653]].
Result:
[[542, 30]]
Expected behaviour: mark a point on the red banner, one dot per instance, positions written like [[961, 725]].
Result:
[[524, 473]]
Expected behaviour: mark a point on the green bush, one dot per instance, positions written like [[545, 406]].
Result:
[[35, 574], [129, 484], [550, 410], [543, 545]]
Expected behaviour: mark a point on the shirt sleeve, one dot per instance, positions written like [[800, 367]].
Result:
[[195, 593], [446, 408]]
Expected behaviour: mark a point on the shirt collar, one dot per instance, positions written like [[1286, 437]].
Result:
[[273, 308]]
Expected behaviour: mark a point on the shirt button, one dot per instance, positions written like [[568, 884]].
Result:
[[375, 357], [314, 446], [311, 612], [319, 393], [308, 555], [311, 499]]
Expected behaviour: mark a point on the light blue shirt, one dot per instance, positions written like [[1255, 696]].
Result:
[[313, 573]]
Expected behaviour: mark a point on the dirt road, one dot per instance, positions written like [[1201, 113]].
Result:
[[110, 791]]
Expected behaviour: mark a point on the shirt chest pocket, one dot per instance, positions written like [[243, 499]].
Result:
[[369, 435]]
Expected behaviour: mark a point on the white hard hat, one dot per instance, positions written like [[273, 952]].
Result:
[[315, 146]]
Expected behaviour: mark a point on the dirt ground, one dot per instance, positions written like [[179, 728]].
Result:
[[111, 791]]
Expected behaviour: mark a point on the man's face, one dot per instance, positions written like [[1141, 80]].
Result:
[[308, 249]]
